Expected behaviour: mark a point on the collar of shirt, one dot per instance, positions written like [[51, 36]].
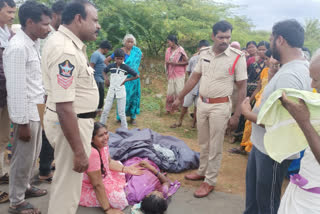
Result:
[[73, 37], [29, 42], [226, 52], [52, 29]]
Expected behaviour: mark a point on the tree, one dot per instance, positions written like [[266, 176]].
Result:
[[312, 34]]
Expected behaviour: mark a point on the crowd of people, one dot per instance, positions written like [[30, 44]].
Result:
[[46, 63]]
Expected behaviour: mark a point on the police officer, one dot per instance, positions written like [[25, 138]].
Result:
[[71, 103], [218, 68]]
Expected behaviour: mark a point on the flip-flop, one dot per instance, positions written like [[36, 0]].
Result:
[[237, 151], [4, 197], [22, 207], [35, 192], [46, 180], [4, 179], [175, 126]]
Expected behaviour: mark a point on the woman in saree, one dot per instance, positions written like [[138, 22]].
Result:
[[176, 61], [252, 52], [113, 186], [132, 58], [257, 64], [256, 67], [272, 66]]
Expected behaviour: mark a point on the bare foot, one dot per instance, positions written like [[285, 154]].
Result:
[[176, 125]]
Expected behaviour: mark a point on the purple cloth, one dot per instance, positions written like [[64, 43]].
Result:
[[139, 186], [301, 182], [126, 144]]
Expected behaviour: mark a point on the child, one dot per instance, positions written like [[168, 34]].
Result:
[[118, 76]]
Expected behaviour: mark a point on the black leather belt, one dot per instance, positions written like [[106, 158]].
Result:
[[87, 115], [82, 115]]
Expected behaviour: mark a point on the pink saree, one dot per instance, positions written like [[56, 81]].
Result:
[[176, 75]]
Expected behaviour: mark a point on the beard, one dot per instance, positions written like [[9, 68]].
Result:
[[275, 52]]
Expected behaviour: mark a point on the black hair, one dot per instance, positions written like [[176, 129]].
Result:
[[119, 53], [58, 7], [105, 45], [10, 3], [291, 30], [251, 43], [173, 38], [305, 49], [153, 204], [268, 53], [72, 9], [203, 43], [32, 10], [264, 43], [222, 26], [96, 127]]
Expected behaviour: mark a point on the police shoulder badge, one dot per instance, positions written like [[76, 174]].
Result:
[[65, 77]]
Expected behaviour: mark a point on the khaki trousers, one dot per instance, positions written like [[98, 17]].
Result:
[[66, 185], [23, 161], [4, 138], [212, 122]]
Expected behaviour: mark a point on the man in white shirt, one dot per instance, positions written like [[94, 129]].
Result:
[[25, 90], [7, 13]]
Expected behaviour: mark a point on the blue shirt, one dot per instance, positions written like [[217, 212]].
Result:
[[98, 59]]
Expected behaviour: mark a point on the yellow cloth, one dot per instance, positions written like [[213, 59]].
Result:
[[283, 136], [246, 142]]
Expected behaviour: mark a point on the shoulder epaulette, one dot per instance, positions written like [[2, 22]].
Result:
[[239, 52]]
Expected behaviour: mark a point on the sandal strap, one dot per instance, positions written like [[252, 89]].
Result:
[[3, 195], [33, 189], [35, 192], [25, 206]]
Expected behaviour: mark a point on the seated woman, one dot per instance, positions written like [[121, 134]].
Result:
[[104, 184]]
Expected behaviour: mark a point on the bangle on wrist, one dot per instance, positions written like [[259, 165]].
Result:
[[157, 173], [122, 170]]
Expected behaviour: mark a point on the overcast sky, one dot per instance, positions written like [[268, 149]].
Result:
[[264, 13]]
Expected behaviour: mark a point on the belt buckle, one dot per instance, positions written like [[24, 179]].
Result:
[[205, 100]]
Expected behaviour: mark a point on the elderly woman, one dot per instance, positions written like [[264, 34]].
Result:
[[112, 186], [176, 62], [132, 58]]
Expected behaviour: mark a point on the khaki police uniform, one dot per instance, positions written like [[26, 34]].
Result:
[[217, 81], [67, 77]]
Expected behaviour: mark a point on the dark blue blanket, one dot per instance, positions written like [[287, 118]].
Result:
[[169, 153]]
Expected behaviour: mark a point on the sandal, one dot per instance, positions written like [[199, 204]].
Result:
[[24, 208], [4, 179], [46, 180], [175, 125], [237, 151], [4, 197], [35, 192], [133, 121]]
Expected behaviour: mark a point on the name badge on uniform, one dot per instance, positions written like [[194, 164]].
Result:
[[65, 77]]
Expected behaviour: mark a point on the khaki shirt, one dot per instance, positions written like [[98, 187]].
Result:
[[67, 75], [216, 80]]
